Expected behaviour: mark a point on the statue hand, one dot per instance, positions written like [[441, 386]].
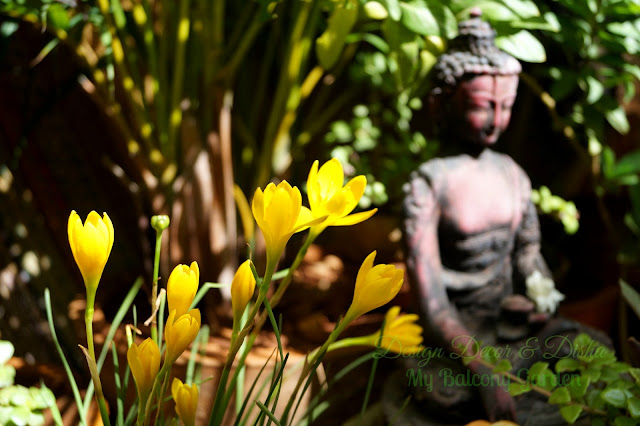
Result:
[[498, 404]]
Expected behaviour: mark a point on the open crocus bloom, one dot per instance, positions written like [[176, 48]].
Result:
[[328, 197]]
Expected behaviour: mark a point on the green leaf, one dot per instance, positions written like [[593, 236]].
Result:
[[627, 165], [593, 374], [419, 19], [6, 351], [578, 386], [560, 396], [567, 364], [631, 296], [57, 16], [633, 405], [635, 373], [618, 120], [7, 28], [624, 421], [538, 368], [523, 45], [516, 388], [503, 365], [524, 8], [7, 375], [330, 44], [615, 397], [570, 413], [393, 7], [596, 89]]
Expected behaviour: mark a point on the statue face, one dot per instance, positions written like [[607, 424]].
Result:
[[480, 108]]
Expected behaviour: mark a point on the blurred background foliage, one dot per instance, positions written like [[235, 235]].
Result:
[[194, 96]]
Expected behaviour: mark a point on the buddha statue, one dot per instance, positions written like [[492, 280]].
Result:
[[472, 240]]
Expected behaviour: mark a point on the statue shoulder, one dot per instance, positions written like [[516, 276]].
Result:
[[516, 170], [422, 189]]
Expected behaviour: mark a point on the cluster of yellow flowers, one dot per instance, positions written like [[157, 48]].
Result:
[[279, 214]]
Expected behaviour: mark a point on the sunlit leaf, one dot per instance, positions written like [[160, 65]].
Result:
[[523, 45]]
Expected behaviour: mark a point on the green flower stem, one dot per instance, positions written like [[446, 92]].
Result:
[[88, 322], [314, 358], [350, 342], [88, 318], [166, 367], [154, 287], [217, 412]]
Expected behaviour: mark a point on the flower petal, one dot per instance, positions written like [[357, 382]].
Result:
[[355, 218]]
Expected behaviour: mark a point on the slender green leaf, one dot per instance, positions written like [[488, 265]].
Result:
[[631, 296]]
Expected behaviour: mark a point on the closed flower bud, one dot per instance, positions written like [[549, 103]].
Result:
[[242, 287], [179, 333], [144, 362], [375, 286], [279, 214], [160, 222], [401, 334], [329, 198], [91, 245], [186, 399], [182, 287]]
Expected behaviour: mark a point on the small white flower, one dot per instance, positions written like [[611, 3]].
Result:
[[543, 292]]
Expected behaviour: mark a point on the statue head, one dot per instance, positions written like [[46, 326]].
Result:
[[474, 85]]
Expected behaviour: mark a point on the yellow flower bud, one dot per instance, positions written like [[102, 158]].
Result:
[[144, 362], [375, 286], [179, 332], [401, 334], [91, 245], [186, 398], [279, 214], [182, 287], [242, 287], [328, 197]]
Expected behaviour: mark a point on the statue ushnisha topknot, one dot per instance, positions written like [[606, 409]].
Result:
[[473, 52]]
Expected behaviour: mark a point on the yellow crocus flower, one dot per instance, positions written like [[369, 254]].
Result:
[[179, 333], [328, 197], [182, 287], [280, 214], [242, 288], [186, 399], [375, 286], [91, 245], [401, 334], [144, 362]]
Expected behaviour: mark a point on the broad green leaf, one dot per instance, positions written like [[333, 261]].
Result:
[[6, 351], [633, 405], [627, 165], [615, 397], [560, 396], [523, 45], [538, 368], [393, 7], [618, 120], [567, 364], [516, 388], [330, 44], [7, 28], [524, 8], [596, 89], [570, 413], [578, 386], [503, 365], [57, 16], [419, 19], [624, 421]]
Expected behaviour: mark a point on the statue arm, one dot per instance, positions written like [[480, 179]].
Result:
[[527, 256], [422, 214]]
